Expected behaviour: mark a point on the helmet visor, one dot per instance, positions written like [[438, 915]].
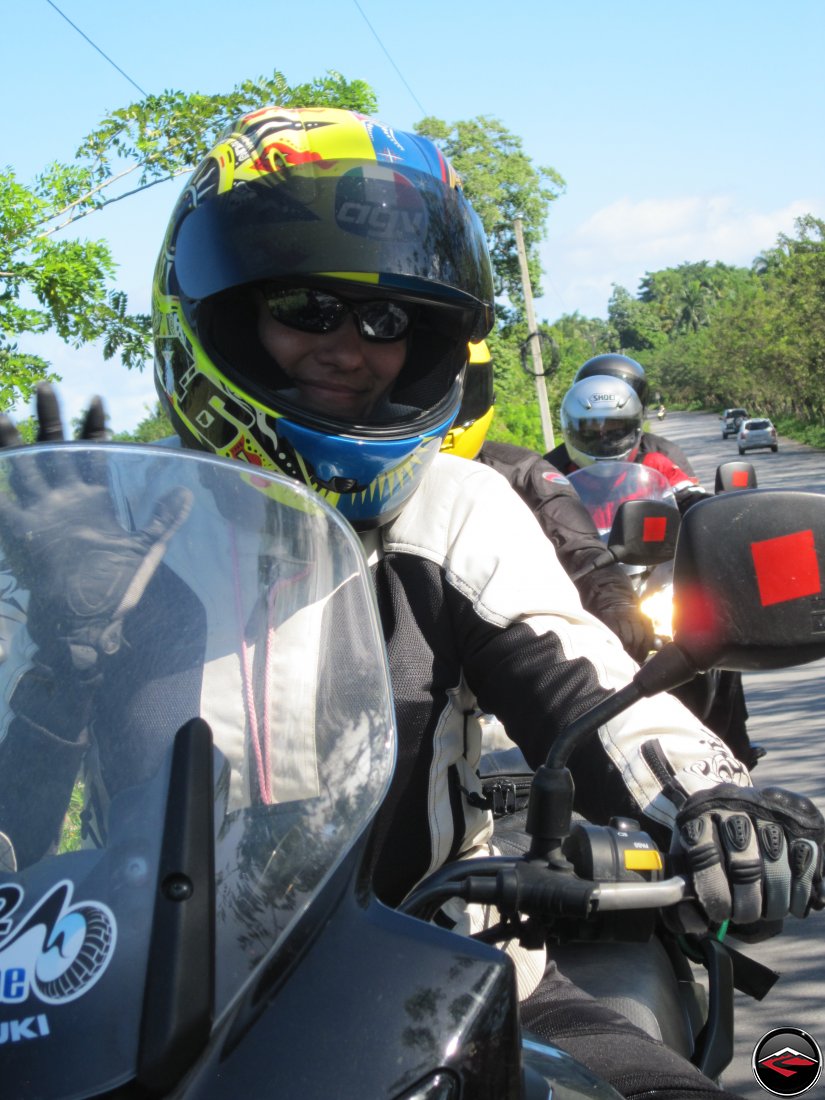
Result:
[[602, 437], [397, 226], [478, 396]]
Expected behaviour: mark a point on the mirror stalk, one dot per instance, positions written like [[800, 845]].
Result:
[[550, 809]]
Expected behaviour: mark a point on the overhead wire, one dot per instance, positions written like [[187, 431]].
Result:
[[389, 58], [145, 94], [96, 47]]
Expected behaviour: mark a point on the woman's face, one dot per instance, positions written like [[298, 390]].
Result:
[[336, 373]]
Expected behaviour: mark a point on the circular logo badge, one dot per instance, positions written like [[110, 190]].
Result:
[[787, 1061]]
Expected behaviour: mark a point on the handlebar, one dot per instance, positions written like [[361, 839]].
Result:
[[642, 895], [530, 887]]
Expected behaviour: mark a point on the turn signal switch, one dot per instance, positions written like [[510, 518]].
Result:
[[617, 852]]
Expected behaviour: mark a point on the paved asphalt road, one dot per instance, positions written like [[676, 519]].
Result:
[[787, 715]]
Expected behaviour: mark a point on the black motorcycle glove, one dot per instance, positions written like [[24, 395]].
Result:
[[635, 630], [607, 593], [750, 855], [49, 425], [83, 570], [692, 494]]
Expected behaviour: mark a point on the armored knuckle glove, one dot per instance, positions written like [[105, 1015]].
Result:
[[751, 855]]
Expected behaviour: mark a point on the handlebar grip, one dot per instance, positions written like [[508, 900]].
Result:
[[536, 890], [533, 889], [641, 895]]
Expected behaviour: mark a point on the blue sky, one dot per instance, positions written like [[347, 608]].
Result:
[[684, 132]]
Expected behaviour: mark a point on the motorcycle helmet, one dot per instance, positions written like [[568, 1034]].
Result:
[[318, 210], [475, 414], [619, 366], [601, 420]]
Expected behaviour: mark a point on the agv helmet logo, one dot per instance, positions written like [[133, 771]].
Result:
[[787, 1061], [380, 204]]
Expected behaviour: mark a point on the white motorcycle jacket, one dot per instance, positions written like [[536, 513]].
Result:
[[479, 615]]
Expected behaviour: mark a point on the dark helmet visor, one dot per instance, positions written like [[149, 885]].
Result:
[[404, 227], [602, 437], [478, 396]]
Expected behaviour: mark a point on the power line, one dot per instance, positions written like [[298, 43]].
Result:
[[102, 54], [386, 51]]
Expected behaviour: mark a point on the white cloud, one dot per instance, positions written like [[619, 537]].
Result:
[[621, 241]]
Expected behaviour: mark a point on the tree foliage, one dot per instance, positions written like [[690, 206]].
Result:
[[761, 340], [154, 426], [50, 280], [635, 322]]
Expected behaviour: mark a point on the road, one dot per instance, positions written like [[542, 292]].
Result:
[[787, 715]]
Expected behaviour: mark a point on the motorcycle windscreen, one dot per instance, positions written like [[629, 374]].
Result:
[[239, 598], [605, 486]]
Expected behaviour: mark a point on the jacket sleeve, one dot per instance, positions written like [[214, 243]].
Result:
[[555, 504], [537, 660], [603, 585], [685, 486]]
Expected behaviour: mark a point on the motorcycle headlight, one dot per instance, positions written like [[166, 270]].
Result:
[[658, 606]]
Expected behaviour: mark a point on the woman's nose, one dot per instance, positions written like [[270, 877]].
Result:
[[345, 345]]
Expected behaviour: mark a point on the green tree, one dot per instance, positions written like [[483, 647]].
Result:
[[49, 283], [684, 297], [517, 418], [154, 426], [636, 323]]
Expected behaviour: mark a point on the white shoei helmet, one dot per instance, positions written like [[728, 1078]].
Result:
[[601, 420]]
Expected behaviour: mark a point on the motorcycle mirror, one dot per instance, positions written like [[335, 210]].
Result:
[[644, 532], [735, 475], [748, 580]]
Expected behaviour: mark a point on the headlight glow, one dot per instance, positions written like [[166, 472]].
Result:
[[658, 606]]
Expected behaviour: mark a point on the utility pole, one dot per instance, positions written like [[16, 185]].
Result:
[[535, 343]]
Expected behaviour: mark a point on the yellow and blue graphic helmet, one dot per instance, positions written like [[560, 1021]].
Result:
[[325, 198]]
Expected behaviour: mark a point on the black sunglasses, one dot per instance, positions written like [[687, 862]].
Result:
[[318, 311]]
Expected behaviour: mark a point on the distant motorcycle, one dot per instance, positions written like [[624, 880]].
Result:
[[660, 413], [645, 548], [605, 489]]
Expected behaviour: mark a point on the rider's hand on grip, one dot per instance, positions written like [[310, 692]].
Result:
[[635, 630], [751, 855]]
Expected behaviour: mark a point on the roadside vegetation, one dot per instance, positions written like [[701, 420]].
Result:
[[710, 335]]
